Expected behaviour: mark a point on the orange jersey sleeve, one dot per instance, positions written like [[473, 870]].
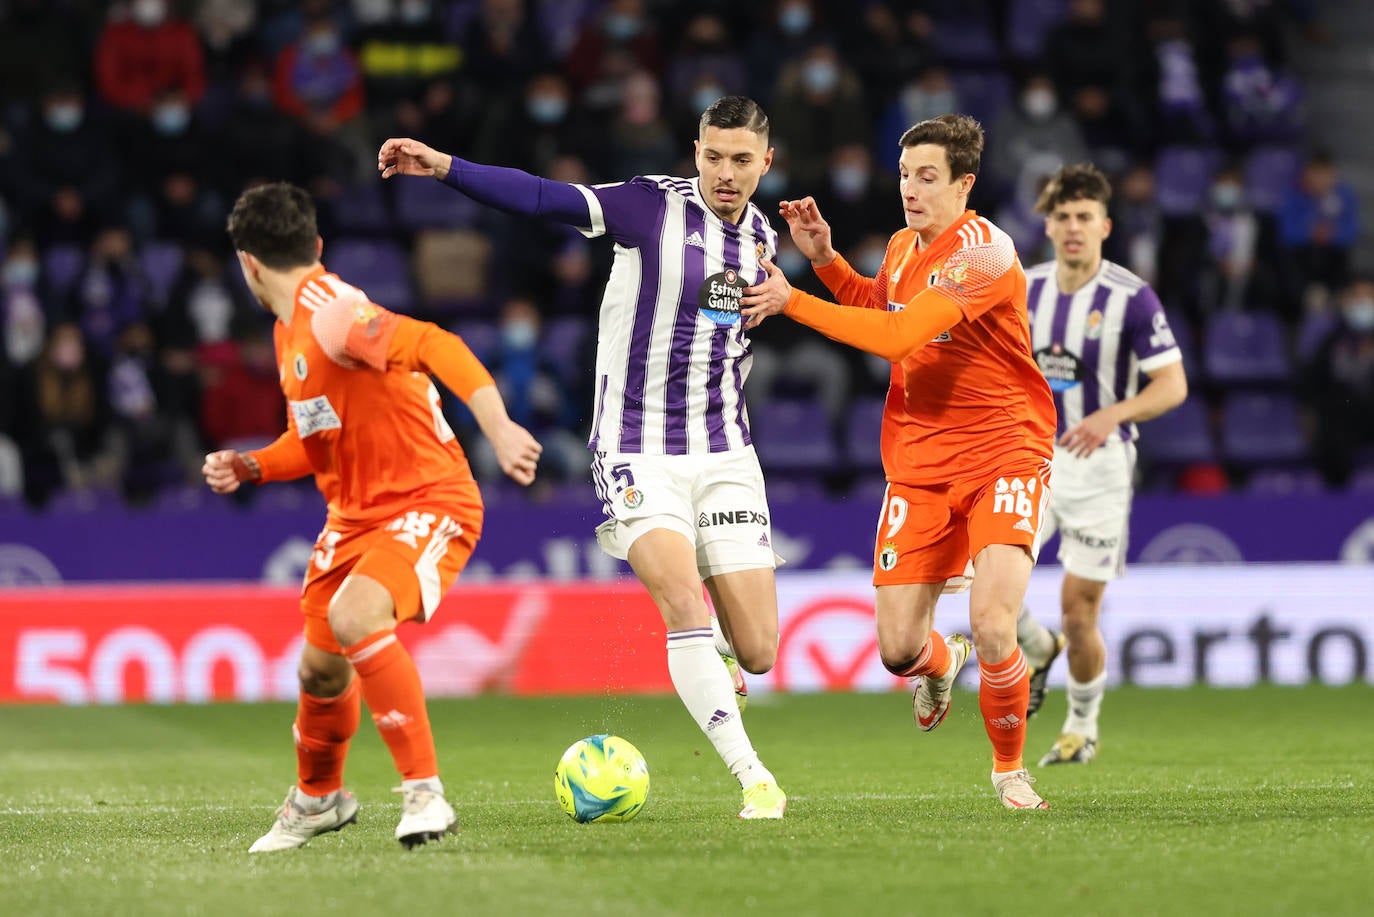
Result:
[[284, 459], [978, 277], [894, 336]]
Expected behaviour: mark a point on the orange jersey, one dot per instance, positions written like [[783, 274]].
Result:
[[966, 401], [363, 415]]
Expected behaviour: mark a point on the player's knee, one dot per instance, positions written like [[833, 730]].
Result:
[[759, 659], [898, 665], [681, 605], [351, 622], [321, 683]]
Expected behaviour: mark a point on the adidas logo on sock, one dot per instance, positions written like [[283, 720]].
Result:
[[1010, 721], [392, 719], [717, 718], [695, 239]]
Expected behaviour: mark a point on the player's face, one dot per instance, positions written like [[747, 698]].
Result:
[[931, 198], [1077, 229], [730, 161]]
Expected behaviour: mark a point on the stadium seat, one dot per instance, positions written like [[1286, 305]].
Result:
[[1270, 171], [62, 263], [1260, 429], [481, 336], [967, 40], [862, 434], [377, 268], [161, 263], [423, 204], [1246, 348], [1029, 23], [562, 343], [794, 436], [1183, 436], [362, 210], [1313, 331], [1183, 177], [984, 94]]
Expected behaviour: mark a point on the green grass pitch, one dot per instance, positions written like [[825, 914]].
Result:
[[1202, 801]]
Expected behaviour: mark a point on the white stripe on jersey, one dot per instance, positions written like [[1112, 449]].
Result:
[[670, 267], [614, 325], [598, 219]]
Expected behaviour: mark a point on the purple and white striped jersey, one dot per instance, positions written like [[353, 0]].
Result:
[[671, 354], [1092, 345]]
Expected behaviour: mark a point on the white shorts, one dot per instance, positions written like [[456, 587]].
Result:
[[1090, 508], [716, 501]]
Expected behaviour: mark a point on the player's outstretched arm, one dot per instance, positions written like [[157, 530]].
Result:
[[517, 450], [505, 189], [226, 469]]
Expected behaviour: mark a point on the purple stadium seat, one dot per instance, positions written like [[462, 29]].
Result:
[[1245, 347], [794, 436], [862, 434], [481, 336], [1316, 327], [1260, 429], [161, 262], [562, 343], [1028, 24], [965, 42], [1183, 436], [984, 94], [425, 204], [1183, 176], [1270, 171], [378, 268], [362, 210], [61, 265]]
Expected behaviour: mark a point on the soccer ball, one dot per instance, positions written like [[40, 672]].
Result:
[[601, 778]]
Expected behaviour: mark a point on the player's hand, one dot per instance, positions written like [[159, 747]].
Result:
[[810, 231], [403, 156], [516, 451], [768, 298], [1088, 435], [225, 470]]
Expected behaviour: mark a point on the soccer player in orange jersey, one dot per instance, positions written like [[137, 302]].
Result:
[[968, 430], [404, 510]]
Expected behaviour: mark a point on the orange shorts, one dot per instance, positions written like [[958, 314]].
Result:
[[416, 555], [932, 534]]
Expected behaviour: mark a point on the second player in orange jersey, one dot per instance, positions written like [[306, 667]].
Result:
[[404, 510], [968, 429]]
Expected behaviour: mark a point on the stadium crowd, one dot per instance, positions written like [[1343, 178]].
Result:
[[131, 346]]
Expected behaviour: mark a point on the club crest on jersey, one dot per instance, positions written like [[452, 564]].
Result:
[[1092, 329], [299, 366], [368, 314], [719, 297], [953, 276], [760, 250], [632, 497], [887, 557]]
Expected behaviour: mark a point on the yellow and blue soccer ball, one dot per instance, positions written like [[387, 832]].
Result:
[[601, 778]]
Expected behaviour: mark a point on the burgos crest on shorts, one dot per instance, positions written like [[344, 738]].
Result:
[[632, 497], [887, 557]]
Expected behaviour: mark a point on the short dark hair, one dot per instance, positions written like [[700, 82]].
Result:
[[960, 135], [275, 223], [1081, 182], [735, 111]]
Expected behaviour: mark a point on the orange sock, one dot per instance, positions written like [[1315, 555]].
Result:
[[933, 660], [323, 728], [1003, 697], [391, 687]]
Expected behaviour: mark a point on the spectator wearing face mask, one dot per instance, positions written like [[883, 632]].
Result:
[[1338, 383], [854, 201], [171, 174], [820, 106], [706, 67], [63, 169], [929, 94], [621, 39], [319, 83], [1229, 266], [1318, 225], [148, 53], [793, 27], [542, 127]]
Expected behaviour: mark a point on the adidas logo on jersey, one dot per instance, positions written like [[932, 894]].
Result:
[[1023, 525], [695, 239]]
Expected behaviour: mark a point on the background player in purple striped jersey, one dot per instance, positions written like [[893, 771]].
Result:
[[1095, 327], [672, 460]]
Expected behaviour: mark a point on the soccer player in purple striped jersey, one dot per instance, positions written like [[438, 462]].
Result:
[[673, 462], [1095, 327]]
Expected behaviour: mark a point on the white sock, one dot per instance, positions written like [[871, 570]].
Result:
[[1085, 700], [1034, 638], [704, 685], [723, 646], [434, 783]]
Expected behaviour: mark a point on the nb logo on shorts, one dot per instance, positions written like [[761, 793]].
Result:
[[1014, 496]]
